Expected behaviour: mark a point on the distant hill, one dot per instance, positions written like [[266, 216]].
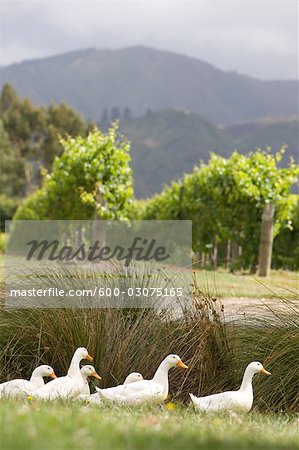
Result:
[[269, 132], [143, 78], [168, 143]]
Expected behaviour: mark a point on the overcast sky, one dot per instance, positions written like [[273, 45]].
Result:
[[255, 37]]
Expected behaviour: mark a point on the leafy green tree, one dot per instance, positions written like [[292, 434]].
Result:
[[11, 177], [34, 133], [24, 123], [8, 98], [92, 178], [234, 191], [286, 245], [12, 166], [225, 199], [34, 207], [8, 206], [61, 120]]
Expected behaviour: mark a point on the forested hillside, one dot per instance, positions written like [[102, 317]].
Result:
[[168, 143], [144, 78], [164, 144]]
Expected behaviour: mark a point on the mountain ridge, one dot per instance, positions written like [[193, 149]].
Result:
[[168, 143], [143, 78]]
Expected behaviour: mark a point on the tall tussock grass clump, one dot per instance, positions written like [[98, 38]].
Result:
[[273, 336], [121, 340]]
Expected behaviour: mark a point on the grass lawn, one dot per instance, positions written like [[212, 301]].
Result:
[[281, 283], [38, 426], [222, 283]]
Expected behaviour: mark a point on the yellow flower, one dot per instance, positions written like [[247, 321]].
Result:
[[29, 397], [170, 406]]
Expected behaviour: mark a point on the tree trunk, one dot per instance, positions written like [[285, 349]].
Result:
[[78, 235], [67, 237], [215, 255], [266, 240], [254, 264], [228, 254], [98, 228], [234, 251]]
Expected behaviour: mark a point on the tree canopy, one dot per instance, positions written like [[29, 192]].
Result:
[[225, 199], [92, 178], [33, 132]]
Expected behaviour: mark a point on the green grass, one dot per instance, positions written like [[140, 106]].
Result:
[[35, 426], [221, 283]]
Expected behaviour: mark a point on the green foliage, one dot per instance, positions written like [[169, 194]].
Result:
[[62, 120], [92, 178], [29, 139], [286, 244], [34, 207], [225, 199], [12, 177], [12, 166], [8, 206], [233, 193], [2, 243]]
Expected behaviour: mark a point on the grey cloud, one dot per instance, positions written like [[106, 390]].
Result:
[[258, 38]]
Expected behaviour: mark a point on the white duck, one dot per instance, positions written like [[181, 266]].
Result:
[[69, 386], [94, 398], [240, 400], [132, 377], [89, 371], [150, 391], [17, 387]]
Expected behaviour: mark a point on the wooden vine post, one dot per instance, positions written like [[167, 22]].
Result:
[[266, 240]]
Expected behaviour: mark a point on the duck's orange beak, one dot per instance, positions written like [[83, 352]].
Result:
[[182, 365], [264, 371], [52, 375], [90, 358], [96, 375]]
